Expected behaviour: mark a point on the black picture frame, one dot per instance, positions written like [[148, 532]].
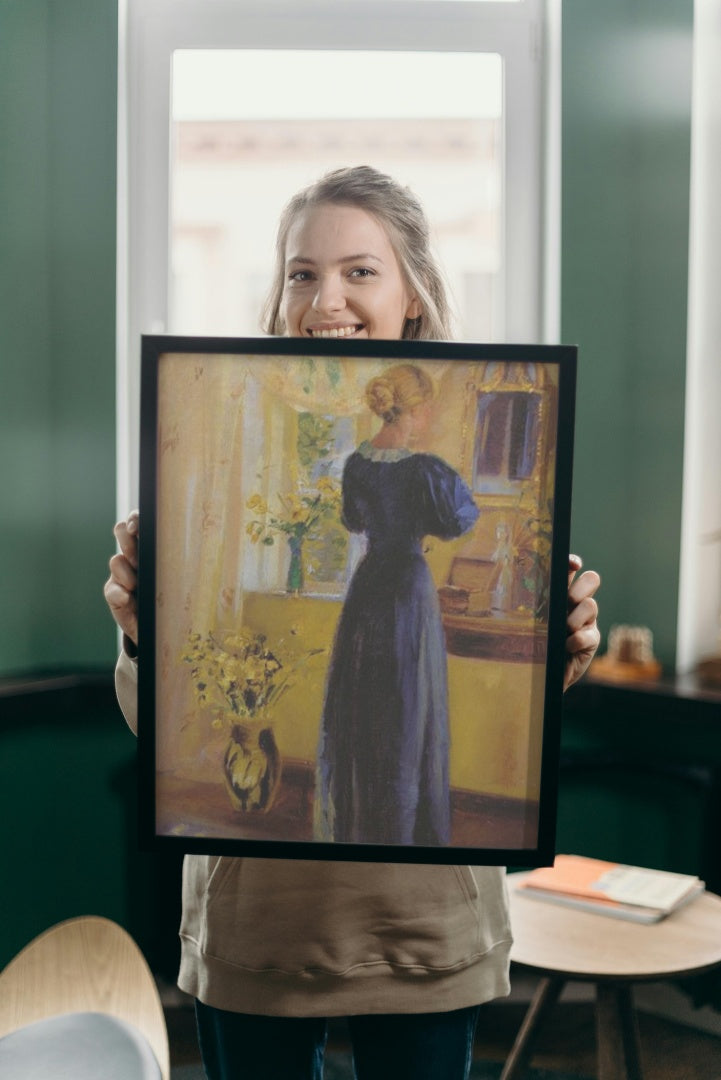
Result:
[[244, 443]]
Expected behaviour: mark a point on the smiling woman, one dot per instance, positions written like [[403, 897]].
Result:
[[353, 259]]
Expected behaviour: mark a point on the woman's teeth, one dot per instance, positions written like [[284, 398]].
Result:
[[337, 331]]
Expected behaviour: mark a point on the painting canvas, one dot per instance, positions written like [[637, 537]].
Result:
[[352, 612]]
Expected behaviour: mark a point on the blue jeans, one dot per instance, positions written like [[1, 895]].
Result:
[[414, 1046]]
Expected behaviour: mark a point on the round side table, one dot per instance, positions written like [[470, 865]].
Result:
[[563, 944]]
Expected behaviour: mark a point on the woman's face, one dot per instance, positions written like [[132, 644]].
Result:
[[342, 277]]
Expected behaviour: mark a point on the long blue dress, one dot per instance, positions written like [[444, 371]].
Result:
[[382, 770]]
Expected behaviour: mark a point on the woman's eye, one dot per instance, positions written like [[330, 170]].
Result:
[[362, 272], [300, 276]]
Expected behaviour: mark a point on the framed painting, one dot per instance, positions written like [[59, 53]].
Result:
[[352, 597]]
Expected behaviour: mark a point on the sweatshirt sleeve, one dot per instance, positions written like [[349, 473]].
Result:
[[126, 688]]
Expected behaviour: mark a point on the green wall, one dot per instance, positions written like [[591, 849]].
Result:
[[67, 761], [69, 807], [58, 74], [626, 145], [626, 135]]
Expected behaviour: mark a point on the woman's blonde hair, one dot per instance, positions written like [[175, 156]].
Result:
[[402, 216], [399, 389]]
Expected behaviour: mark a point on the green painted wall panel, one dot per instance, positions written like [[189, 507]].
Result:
[[25, 396], [68, 842], [58, 80], [68, 785], [626, 146], [82, 273]]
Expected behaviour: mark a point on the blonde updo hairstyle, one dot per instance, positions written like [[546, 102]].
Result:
[[398, 390], [402, 216]]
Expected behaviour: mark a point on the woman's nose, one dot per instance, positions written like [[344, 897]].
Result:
[[329, 295]]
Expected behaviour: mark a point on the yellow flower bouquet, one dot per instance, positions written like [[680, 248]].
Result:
[[298, 516], [241, 680], [237, 672]]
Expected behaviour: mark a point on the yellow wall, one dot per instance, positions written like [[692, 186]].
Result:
[[495, 735]]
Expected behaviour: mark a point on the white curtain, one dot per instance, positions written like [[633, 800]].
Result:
[[200, 535], [700, 581], [207, 468]]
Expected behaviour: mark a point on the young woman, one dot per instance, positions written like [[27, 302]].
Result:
[[272, 948]]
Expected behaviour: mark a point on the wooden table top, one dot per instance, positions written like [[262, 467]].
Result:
[[582, 945]]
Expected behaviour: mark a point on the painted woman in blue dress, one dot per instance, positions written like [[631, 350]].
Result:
[[383, 752]]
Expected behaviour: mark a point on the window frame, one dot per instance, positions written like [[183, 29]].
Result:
[[698, 631], [527, 36]]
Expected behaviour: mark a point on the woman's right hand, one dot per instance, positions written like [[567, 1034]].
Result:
[[122, 585]]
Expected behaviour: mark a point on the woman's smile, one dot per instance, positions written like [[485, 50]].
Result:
[[335, 331]]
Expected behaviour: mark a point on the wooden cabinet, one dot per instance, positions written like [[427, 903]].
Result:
[[640, 775]]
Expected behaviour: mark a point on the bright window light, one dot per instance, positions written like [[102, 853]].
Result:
[[434, 121], [223, 84]]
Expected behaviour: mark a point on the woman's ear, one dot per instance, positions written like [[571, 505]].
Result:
[[415, 309]]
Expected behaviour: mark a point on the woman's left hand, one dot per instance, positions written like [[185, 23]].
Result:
[[582, 633]]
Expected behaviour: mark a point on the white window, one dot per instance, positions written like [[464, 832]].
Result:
[[227, 107]]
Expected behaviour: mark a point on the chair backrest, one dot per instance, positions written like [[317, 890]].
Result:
[[87, 964]]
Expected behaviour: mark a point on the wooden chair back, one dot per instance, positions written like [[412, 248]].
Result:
[[87, 964]]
